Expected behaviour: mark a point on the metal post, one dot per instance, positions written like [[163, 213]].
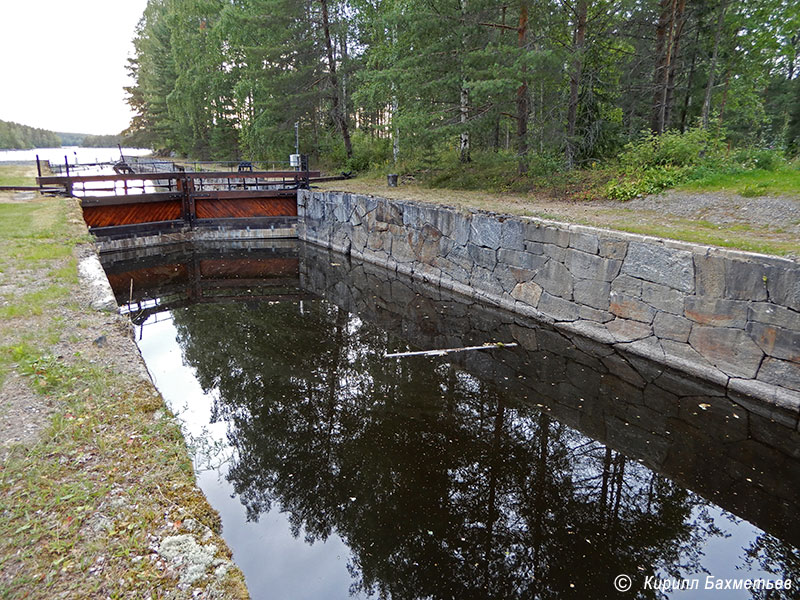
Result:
[[297, 140], [39, 170], [304, 167]]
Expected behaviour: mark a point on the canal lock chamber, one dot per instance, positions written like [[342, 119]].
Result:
[[547, 469]]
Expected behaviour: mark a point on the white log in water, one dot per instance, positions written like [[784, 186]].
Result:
[[443, 351]]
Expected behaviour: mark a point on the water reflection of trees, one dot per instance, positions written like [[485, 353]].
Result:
[[777, 558], [440, 486]]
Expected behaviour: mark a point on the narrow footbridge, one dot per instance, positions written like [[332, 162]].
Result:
[[129, 204]]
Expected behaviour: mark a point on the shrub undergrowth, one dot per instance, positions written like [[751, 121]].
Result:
[[655, 163]]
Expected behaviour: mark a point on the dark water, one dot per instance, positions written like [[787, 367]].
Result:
[[542, 471]]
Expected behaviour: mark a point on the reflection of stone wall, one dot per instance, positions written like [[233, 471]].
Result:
[[743, 456], [727, 316]]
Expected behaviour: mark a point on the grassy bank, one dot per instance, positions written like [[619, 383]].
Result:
[[16, 175], [94, 472]]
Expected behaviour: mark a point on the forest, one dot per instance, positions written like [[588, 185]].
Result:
[[539, 85], [14, 136], [21, 137]]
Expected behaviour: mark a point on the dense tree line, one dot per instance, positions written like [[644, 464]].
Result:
[[14, 136], [103, 141], [384, 80], [21, 137]]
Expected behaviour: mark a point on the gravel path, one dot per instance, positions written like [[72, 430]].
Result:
[[725, 208]]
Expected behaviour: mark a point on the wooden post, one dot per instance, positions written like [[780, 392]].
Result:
[[39, 169], [190, 200], [69, 183]]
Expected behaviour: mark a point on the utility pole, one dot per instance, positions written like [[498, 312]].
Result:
[[297, 142]]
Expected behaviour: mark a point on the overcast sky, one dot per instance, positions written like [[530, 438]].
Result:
[[62, 63]]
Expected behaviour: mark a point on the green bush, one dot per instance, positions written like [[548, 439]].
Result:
[[545, 164], [692, 148], [759, 158], [654, 163], [649, 181]]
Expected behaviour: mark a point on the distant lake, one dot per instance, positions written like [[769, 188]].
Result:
[[73, 153]]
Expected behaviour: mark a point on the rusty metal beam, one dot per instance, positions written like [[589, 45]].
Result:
[[87, 201], [64, 180]]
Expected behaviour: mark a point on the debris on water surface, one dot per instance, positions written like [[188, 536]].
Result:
[[443, 351]]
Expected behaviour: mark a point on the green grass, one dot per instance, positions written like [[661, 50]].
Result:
[[783, 181], [35, 303], [17, 175], [714, 236]]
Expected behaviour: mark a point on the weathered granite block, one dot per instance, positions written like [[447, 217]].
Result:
[[461, 228], [592, 293], [592, 314], [730, 350], [402, 250], [557, 253], [425, 243], [482, 256], [389, 212], [585, 242], [672, 327], [534, 247], [776, 341], [775, 403], [512, 235], [342, 209], [772, 314], [412, 215], [505, 278], [714, 311], [626, 307], [483, 280], [460, 256], [538, 232], [783, 284], [359, 238], [555, 279], [625, 330], [528, 292], [558, 308], [613, 248], [428, 273], [659, 264], [520, 259], [662, 297], [485, 231], [374, 240], [521, 275], [451, 269], [745, 280], [780, 372], [591, 266], [627, 285]]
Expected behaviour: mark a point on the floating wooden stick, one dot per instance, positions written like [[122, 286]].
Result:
[[443, 351]]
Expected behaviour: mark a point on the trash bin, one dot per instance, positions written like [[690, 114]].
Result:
[[392, 179]]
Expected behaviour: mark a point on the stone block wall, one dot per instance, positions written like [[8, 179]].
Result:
[[727, 316]]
